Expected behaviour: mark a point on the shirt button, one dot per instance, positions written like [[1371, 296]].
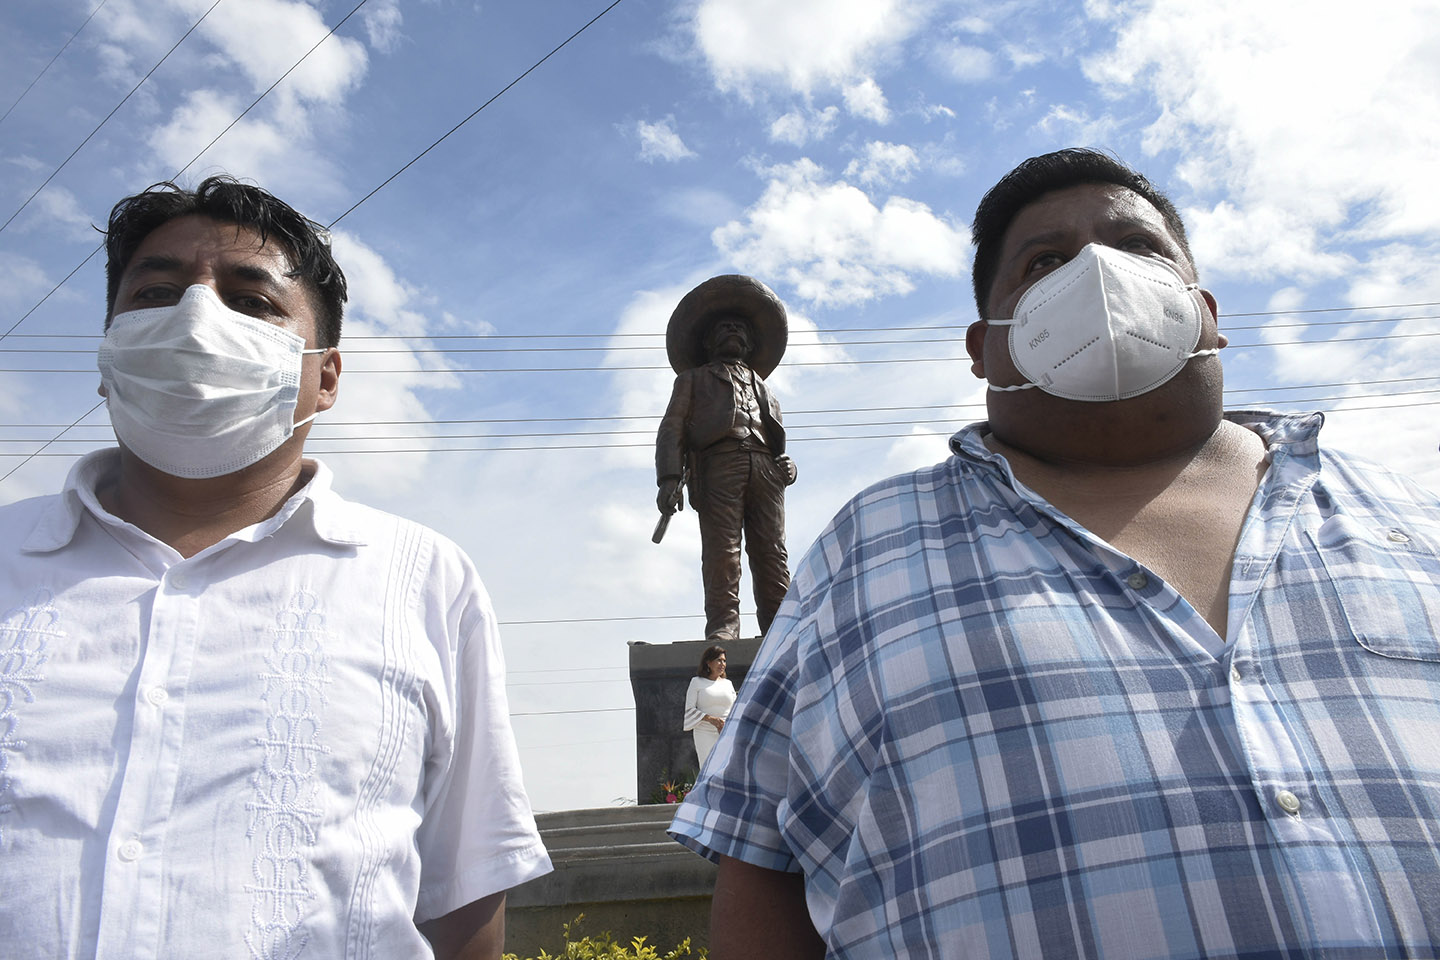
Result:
[[178, 581], [1288, 802], [1397, 536], [157, 695], [130, 851], [1137, 580], [1235, 674]]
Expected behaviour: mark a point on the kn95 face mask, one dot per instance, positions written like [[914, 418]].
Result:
[[198, 390], [1107, 325]]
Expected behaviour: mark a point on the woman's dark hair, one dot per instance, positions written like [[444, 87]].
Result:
[[712, 652], [227, 200], [1045, 174]]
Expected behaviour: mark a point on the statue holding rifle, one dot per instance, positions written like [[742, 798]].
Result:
[[721, 437]]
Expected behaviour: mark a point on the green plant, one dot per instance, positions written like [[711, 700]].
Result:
[[605, 947]]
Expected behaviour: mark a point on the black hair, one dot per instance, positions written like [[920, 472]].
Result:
[[227, 200], [1045, 174], [712, 652]]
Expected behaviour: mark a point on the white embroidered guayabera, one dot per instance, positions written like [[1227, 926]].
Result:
[[286, 812]]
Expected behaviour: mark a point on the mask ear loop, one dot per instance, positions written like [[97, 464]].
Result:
[[1009, 322], [300, 423]]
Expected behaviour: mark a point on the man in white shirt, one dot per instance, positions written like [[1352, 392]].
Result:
[[239, 715]]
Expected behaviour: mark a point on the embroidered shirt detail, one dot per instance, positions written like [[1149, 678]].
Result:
[[25, 633], [285, 812]]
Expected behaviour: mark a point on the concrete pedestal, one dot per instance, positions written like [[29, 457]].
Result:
[[617, 866], [659, 676]]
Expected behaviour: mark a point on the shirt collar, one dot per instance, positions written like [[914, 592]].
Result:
[[316, 505]]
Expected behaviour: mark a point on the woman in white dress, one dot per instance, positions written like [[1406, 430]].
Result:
[[708, 701]]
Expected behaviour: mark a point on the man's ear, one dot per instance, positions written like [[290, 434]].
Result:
[[329, 380], [975, 346], [1222, 341]]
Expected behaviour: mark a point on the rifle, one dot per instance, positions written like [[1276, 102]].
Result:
[[678, 503]]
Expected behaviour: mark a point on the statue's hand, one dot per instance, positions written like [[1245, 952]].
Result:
[[787, 467], [668, 499]]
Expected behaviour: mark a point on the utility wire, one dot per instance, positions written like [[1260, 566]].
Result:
[[791, 414], [47, 66], [51, 293], [38, 452], [473, 114], [659, 335], [650, 431], [822, 425], [830, 331], [98, 248], [650, 445], [254, 103], [342, 216], [107, 118], [793, 345]]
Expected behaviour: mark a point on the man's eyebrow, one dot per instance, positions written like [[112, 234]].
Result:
[[1039, 240], [254, 274], [154, 263]]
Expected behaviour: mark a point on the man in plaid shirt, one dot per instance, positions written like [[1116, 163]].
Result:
[[1126, 676]]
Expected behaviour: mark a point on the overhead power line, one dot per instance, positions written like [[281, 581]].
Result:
[[112, 113], [45, 69], [353, 206], [659, 335], [474, 113], [657, 347], [187, 166], [558, 447], [796, 432]]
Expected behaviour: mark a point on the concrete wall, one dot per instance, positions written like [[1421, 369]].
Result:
[[617, 866], [659, 676]]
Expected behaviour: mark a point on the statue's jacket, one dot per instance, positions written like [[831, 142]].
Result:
[[702, 413]]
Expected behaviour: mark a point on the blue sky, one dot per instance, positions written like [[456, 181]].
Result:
[[834, 148]]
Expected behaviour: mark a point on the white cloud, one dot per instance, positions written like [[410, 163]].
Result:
[[1300, 115], [800, 44], [831, 244], [1066, 124], [381, 304], [799, 128], [22, 282], [382, 25], [659, 141], [1021, 56], [866, 100], [883, 163], [56, 208], [263, 38], [966, 63], [252, 148]]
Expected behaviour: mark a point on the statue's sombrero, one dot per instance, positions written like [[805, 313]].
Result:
[[730, 295]]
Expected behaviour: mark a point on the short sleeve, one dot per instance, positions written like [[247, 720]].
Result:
[[478, 835]]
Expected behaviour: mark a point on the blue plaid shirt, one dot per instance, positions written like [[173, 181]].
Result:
[[980, 731]]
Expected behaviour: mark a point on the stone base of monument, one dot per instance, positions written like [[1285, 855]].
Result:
[[659, 676], [617, 866]]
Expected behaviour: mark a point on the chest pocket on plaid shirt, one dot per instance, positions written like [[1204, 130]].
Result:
[[1388, 583]]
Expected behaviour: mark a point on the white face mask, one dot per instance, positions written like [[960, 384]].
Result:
[[197, 389], [1107, 325]]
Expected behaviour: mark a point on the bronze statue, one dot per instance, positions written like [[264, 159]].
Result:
[[722, 437]]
